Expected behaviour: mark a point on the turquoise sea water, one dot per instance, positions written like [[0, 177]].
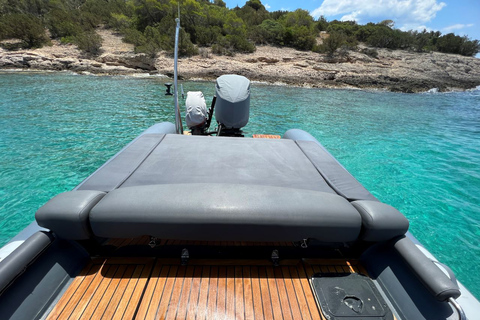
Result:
[[417, 152]]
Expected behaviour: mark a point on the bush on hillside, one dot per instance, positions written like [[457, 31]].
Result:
[[25, 27], [89, 42], [334, 41]]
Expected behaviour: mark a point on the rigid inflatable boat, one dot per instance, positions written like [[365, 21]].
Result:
[[211, 224]]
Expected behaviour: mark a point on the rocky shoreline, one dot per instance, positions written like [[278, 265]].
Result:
[[392, 70]]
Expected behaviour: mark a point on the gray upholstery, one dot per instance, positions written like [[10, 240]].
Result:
[[161, 128], [67, 213], [18, 260], [113, 173], [332, 171], [225, 212], [380, 222], [439, 285], [197, 159]]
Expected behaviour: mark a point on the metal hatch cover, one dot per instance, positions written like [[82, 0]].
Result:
[[343, 296]]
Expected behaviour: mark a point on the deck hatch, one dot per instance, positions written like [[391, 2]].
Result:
[[349, 296]]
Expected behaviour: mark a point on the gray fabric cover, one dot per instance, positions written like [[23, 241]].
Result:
[[232, 107], [439, 285], [113, 173], [196, 113], [198, 159], [16, 262], [380, 222], [67, 213], [161, 128], [225, 212], [338, 178]]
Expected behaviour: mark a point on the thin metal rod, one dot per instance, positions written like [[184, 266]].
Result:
[[458, 307], [178, 117]]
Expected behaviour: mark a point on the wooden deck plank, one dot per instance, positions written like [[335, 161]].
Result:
[[239, 297], [230, 293], [257, 294], [88, 294], [273, 292], [100, 292], [161, 311], [113, 304], [311, 303], [109, 292], [266, 136], [124, 302], [266, 298], [212, 293], [154, 290], [176, 292], [138, 291], [122, 288], [292, 297], [302, 301], [194, 294], [203, 297], [221, 292], [185, 295], [247, 293], [282, 294]]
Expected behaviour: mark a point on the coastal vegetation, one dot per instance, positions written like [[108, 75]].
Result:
[[148, 24]]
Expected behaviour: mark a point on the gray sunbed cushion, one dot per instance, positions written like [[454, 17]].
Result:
[[225, 212], [380, 221], [198, 159], [67, 213], [114, 172], [337, 177]]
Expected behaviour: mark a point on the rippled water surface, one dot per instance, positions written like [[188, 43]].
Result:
[[417, 152]]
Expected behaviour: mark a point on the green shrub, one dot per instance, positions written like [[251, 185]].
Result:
[[25, 27], [185, 47], [62, 23], [333, 42], [89, 42], [301, 37], [271, 31]]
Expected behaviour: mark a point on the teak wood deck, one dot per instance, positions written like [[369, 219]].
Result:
[[148, 288]]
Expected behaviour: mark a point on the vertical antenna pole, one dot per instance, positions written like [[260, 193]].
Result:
[[178, 117]]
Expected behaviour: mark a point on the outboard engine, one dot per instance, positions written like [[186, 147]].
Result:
[[196, 115], [232, 106]]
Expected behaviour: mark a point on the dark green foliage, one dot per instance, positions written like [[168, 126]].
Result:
[[89, 42], [335, 40], [300, 38], [150, 26], [185, 47], [322, 24], [25, 27], [63, 23], [271, 31], [349, 28], [451, 43], [469, 47], [220, 3], [254, 4], [150, 42]]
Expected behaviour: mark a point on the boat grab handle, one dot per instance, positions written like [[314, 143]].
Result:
[[435, 280], [458, 307]]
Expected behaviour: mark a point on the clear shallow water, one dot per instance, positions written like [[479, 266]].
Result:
[[417, 152]]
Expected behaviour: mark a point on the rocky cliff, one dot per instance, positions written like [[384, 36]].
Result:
[[392, 70]]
